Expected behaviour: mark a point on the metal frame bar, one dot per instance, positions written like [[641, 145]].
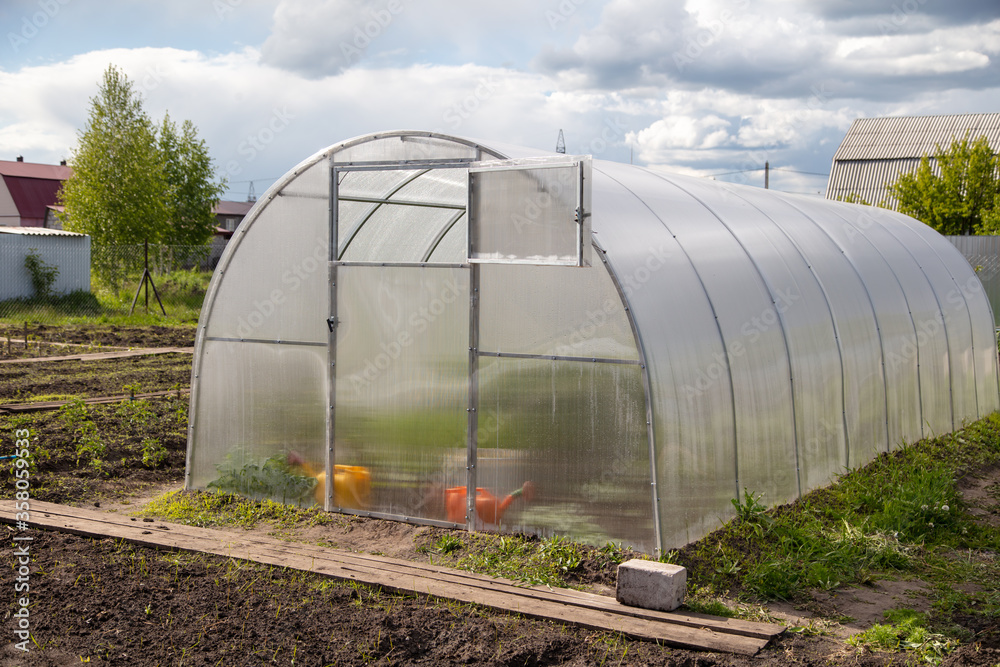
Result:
[[472, 453], [556, 357], [224, 339], [332, 342], [419, 521], [401, 202], [419, 265], [509, 165], [403, 164], [580, 213], [647, 387]]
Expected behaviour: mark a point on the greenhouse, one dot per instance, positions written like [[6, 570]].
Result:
[[476, 335]]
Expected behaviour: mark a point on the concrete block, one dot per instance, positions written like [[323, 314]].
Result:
[[651, 585]]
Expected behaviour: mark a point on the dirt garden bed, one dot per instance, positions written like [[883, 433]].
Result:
[[107, 602]]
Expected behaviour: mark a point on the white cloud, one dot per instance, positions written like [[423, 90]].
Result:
[[704, 86]]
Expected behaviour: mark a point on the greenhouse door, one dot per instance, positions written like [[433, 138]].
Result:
[[404, 320]]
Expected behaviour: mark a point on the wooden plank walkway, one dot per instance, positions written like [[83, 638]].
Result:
[[597, 612], [40, 406], [97, 356]]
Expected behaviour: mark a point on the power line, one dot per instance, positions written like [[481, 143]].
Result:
[[745, 171], [796, 171], [251, 180]]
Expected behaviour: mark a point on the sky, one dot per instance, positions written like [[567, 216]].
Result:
[[713, 88]]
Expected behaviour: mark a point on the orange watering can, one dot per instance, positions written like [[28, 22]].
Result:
[[352, 485], [488, 507]]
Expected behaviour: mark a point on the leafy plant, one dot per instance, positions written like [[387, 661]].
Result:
[[958, 193], [561, 552], [137, 413], [449, 543], [153, 452], [43, 276], [86, 437], [905, 631], [270, 478]]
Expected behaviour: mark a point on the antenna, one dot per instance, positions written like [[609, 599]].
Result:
[[560, 143], [251, 195]]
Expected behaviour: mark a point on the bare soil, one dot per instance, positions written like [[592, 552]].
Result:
[[49, 341], [111, 603]]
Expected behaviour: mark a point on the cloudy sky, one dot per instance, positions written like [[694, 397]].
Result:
[[708, 87]]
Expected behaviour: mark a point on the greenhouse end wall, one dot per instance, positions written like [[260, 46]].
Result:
[[656, 347]]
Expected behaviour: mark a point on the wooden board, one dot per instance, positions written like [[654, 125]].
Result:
[[97, 356], [40, 406], [598, 612]]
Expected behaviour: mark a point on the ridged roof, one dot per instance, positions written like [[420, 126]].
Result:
[[37, 231], [913, 136], [53, 172], [876, 150]]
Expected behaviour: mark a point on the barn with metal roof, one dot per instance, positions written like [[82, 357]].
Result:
[[876, 150], [28, 190]]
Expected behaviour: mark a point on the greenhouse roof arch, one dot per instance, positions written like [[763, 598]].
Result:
[[464, 333]]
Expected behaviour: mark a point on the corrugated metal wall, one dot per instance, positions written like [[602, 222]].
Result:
[[71, 254], [983, 253], [876, 150]]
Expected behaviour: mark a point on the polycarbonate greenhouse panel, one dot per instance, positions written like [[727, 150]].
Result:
[[857, 333], [801, 310], [406, 216], [254, 403], [970, 289], [400, 147], [402, 381], [896, 331], [399, 234], [531, 211], [582, 317], [313, 181], [577, 432], [691, 391], [277, 290], [756, 355], [955, 324], [932, 352], [373, 183], [437, 186], [451, 248]]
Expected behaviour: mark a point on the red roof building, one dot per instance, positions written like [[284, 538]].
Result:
[[29, 193], [27, 190]]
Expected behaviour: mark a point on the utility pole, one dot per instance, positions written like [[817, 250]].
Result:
[[767, 173]]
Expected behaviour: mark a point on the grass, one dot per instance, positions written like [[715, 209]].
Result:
[[41, 398], [198, 508], [182, 293], [901, 516], [906, 630]]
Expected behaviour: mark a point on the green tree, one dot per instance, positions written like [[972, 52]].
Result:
[[117, 193], [962, 197], [135, 182], [191, 192]]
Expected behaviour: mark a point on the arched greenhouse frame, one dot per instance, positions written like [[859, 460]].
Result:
[[476, 335]]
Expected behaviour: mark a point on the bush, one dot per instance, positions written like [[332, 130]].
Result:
[[43, 276]]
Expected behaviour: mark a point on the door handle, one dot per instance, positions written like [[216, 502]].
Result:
[[331, 322]]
